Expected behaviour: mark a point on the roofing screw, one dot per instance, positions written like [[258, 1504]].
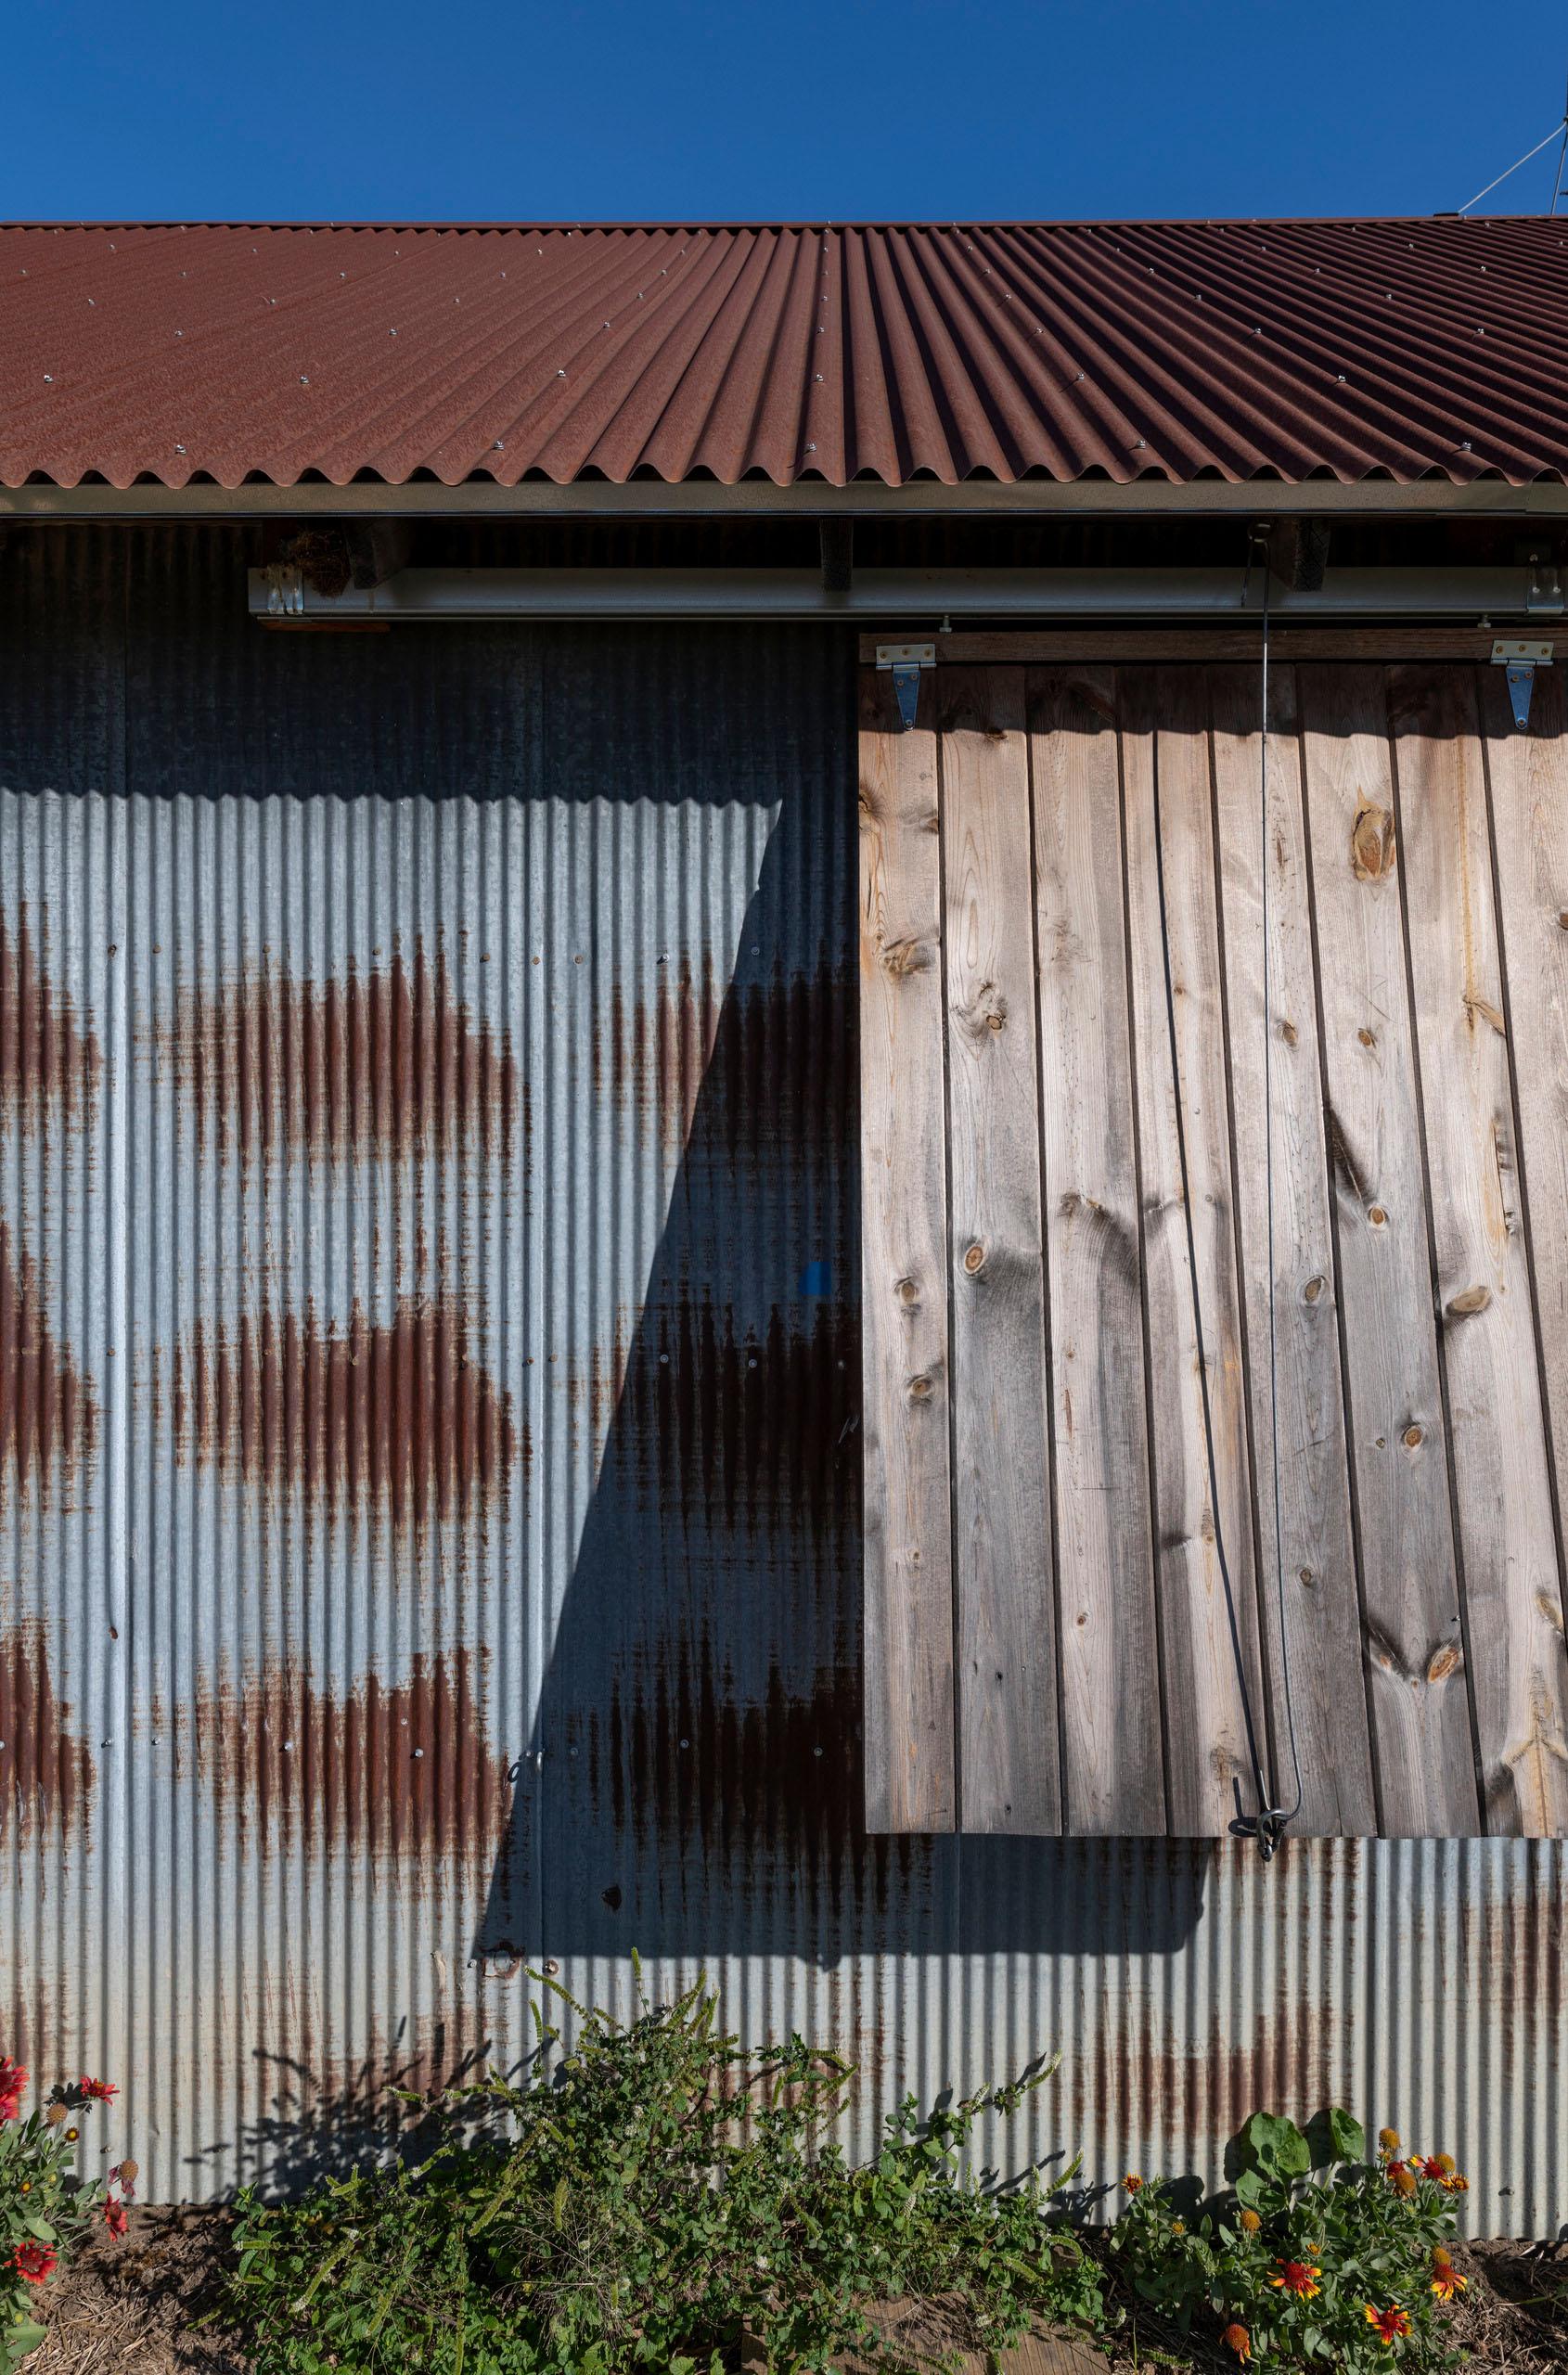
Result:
[[288, 1745], [179, 449], [551, 1967], [49, 378], [499, 446], [418, 1752], [303, 382]]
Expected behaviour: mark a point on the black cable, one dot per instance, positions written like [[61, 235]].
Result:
[[1273, 1822]]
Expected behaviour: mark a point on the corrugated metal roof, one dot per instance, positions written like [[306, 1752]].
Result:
[[1174, 350]]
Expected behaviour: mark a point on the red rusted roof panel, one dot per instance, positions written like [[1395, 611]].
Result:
[[224, 351]]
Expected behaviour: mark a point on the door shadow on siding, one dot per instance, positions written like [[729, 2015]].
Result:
[[701, 1785]]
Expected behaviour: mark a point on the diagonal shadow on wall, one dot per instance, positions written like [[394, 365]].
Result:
[[701, 1787]]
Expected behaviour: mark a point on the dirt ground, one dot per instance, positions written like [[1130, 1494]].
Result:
[[136, 2305]]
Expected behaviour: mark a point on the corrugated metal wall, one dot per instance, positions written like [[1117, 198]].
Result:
[[429, 1380]]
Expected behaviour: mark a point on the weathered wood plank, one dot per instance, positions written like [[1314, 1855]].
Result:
[[1208, 1636], [1322, 1614], [1508, 1542], [1420, 1717], [1527, 775], [1056, 647], [1004, 1590], [908, 1627], [1112, 1739]]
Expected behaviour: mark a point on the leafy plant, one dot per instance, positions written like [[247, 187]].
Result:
[[44, 2208], [658, 2192], [1318, 2255]]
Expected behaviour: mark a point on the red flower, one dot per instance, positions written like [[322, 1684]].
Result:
[[94, 2090], [1295, 2276], [1390, 2325], [1456, 2184], [35, 2260], [1238, 2339], [1133, 2185], [1431, 2168], [115, 2217], [1447, 2280], [12, 2081]]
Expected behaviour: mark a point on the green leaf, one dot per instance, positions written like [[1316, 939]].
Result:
[[1276, 2146], [1333, 2136], [1249, 2189]]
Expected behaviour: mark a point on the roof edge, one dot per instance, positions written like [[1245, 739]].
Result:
[[1022, 498]]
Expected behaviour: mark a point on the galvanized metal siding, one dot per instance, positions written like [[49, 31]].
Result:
[[429, 1064]]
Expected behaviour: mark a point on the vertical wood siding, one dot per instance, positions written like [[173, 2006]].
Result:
[[1109, 1672]]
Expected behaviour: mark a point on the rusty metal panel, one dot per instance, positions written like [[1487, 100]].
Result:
[[220, 351], [430, 1487]]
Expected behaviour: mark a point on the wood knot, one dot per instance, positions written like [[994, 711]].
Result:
[[1371, 840], [995, 1021], [1377, 1216], [1312, 1290], [922, 1389], [1413, 1438], [1287, 1033], [902, 957], [1366, 1037], [908, 1293], [974, 1259], [1473, 1299], [1444, 1661], [1308, 1577]]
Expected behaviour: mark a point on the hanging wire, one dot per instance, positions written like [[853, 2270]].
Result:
[[1559, 126], [1272, 1823]]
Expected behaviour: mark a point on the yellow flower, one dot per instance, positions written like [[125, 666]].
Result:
[[1251, 2222]]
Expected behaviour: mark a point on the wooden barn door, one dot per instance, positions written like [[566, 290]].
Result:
[[1052, 1643]]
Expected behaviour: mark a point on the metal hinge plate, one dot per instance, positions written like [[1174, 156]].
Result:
[[907, 660], [1521, 660]]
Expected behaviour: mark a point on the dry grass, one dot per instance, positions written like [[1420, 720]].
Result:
[[133, 2305]]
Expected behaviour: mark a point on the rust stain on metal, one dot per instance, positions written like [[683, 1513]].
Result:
[[388, 1060], [405, 1770], [45, 1053], [749, 1430], [681, 1759], [404, 1414], [47, 1774], [651, 1058], [48, 1416]]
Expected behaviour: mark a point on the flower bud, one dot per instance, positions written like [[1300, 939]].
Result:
[[54, 2114], [1251, 2222], [128, 2173], [1388, 2140]]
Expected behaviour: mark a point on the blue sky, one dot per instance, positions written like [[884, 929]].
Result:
[[772, 109]]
